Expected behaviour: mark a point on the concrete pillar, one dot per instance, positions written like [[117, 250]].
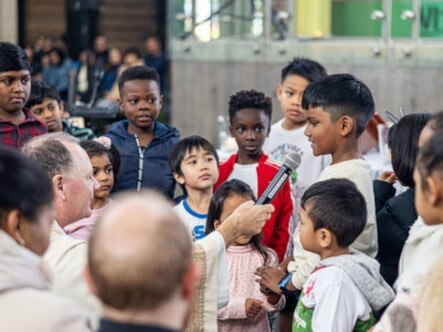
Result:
[[9, 20]]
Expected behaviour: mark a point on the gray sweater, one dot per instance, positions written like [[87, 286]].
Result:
[[365, 273]]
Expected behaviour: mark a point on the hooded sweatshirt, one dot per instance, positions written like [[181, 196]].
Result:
[[156, 171], [341, 294], [26, 304]]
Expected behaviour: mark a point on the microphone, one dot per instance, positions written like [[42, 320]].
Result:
[[291, 162]]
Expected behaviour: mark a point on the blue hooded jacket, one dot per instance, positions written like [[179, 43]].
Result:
[[156, 171]]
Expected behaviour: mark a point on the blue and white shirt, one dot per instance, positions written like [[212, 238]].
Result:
[[195, 222]]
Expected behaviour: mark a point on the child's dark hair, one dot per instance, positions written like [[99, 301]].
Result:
[[308, 69], [17, 171], [430, 158], [250, 99], [41, 90], [186, 145], [226, 190], [436, 121], [403, 143], [95, 149], [339, 95], [13, 58], [138, 73], [338, 206]]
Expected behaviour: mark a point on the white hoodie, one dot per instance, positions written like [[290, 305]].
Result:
[[26, 304]]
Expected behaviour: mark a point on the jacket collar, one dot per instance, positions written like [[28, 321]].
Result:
[[233, 159]]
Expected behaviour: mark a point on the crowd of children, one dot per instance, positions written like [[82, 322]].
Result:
[[336, 242]]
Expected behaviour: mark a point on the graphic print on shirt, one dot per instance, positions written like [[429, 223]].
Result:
[[195, 222], [198, 232]]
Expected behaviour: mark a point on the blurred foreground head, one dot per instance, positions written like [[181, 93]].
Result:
[[140, 260]]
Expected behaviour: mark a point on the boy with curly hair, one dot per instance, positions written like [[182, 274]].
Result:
[[250, 115]]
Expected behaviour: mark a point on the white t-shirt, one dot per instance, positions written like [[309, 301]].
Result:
[[247, 174], [195, 222], [359, 172], [336, 302]]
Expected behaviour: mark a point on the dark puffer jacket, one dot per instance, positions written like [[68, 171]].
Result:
[[156, 171], [395, 216]]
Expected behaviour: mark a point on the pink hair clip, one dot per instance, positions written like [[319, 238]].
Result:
[[106, 141]]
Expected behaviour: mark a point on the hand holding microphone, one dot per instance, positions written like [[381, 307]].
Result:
[[249, 219], [290, 163]]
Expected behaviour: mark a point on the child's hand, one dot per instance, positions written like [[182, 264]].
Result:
[[284, 264], [273, 298], [387, 176], [265, 290], [253, 307], [270, 277]]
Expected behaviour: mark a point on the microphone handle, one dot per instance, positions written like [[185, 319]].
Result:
[[274, 186], [263, 200]]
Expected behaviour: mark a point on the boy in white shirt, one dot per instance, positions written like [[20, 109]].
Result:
[[194, 164], [338, 109], [287, 135], [346, 287]]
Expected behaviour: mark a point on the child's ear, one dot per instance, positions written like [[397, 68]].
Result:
[[434, 192], [120, 105], [324, 237], [61, 105], [161, 101], [346, 125], [217, 223], [279, 90], [179, 178], [231, 130]]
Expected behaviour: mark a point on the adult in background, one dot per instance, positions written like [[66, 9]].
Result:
[[56, 70], [73, 183], [155, 58], [26, 212]]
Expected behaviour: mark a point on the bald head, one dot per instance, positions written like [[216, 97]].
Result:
[[138, 253]]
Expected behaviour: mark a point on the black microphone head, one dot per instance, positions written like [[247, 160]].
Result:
[[292, 160]]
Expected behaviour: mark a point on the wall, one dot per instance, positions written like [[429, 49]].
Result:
[[126, 23], [44, 18], [205, 75], [9, 21]]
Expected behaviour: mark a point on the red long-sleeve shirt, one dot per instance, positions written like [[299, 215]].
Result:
[[275, 233]]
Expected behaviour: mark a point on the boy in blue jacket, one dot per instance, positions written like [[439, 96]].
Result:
[[144, 143]]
